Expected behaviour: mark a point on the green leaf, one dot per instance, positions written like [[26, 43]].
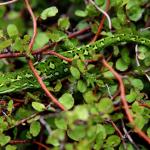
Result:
[[49, 12], [137, 84], [41, 40], [38, 106], [4, 139], [56, 137], [117, 116], [10, 106], [77, 133], [2, 11], [67, 100], [105, 105], [23, 113], [109, 129], [56, 36], [125, 56], [1, 34], [81, 86], [69, 146], [61, 123], [142, 52], [129, 147], [113, 141], [100, 2], [116, 23], [91, 10], [100, 136], [3, 125], [121, 15], [140, 121], [132, 96], [58, 86], [101, 131], [81, 112], [134, 11], [148, 131], [12, 30], [108, 75], [81, 66], [137, 108], [5, 44], [75, 72], [63, 23], [91, 132], [109, 148], [11, 147], [81, 13], [147, 60], [35, 128], [121, 65], [89, 97], [82, 25], [18, 45]]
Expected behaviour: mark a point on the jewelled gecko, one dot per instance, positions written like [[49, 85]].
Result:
[[53, 68]]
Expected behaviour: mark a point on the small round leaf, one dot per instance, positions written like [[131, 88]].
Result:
[[113, 141], [35, 128], [75, 72], [67, 100], [105, 105], [121, 65], [49, 12], [12, 30], [81, 86], [38, 106]]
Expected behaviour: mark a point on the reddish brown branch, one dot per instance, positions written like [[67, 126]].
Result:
[[11, 55], [30, 63], [117, 129], [74, 34], [118, 132], [41, 145], [122, 90], [34, 24], [145, 105], [14, 142], [58, 55], [124, 101], [44, 86], [101, 23]]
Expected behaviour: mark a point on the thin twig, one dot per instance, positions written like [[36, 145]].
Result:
[[34, 24], [128, 136], [102, 11], [109, 93], [122, 90], [46, 125], [119, 133], [40, 81], [9, 2], [101, 23], [124, 102], [136, 55], [14, 142], [30, 63]]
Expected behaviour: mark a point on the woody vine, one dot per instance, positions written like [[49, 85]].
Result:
[[103, 101]]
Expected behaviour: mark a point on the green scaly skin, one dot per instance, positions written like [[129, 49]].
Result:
[[53, 68]]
